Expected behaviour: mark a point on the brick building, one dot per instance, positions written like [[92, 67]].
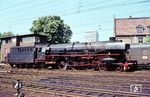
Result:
[[20, 40], [132, 30]]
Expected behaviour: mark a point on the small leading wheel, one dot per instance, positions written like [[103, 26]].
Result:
[[119, 68], [63, 65]]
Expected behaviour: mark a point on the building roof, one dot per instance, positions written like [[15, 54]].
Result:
[[128, 26], [25, 35], [133, 18]]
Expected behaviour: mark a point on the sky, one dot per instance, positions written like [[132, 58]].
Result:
[[81, 15]]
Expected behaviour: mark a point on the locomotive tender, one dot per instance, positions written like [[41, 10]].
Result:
[[92, 55], [140, 53]]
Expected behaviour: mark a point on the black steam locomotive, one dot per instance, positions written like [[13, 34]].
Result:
[[92, 55]]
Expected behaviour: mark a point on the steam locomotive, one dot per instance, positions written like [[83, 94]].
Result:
[[110, 55]]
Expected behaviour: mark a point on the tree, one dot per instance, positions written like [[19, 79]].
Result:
[[1, 35], [6, 34], [53, 27], [147, 39]]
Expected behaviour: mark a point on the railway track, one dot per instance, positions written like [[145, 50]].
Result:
[[79, 79], [68, 85], [71, 91], [54, 85]]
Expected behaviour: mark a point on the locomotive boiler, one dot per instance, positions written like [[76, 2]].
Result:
[[93, 55]]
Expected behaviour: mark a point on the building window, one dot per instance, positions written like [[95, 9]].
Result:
[[7, 41], [13, 40], [148, 27], [140, 29], [140, 39], [28, 39], [3, 42]]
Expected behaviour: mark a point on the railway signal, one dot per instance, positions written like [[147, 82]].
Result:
[[18, 85]]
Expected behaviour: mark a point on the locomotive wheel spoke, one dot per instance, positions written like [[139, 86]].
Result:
[[63, 65], [73, 68]]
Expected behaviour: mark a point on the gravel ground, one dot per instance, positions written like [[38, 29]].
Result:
[[102, 78], [6, 92]]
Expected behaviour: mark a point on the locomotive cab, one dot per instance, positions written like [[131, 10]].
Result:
[[40, 55]]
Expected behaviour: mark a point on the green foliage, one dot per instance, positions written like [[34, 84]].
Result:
[[147, 39], [53, 27], [6, 34], [1, 35]]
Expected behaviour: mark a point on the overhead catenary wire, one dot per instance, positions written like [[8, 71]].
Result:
[[85, 10], [28, 20], [54, 5], [16, 5], [101, 7]]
